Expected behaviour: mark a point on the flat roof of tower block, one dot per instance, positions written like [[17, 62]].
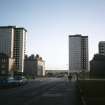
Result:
[[7, 26], [101, 41], [21, 28], [13, 27], [77, 35]]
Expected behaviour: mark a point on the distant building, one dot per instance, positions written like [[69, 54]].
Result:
[[40, 66], [6, 66], [30, 66], [78, 53], [56, 73], [13, 44], [97, 66], [102, 48], [34, 66]]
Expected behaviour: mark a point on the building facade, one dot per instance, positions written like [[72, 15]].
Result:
[[13, 44], [6, 66], [97, 66], [34, 66], [101, 47], [40, 66], [78, 53], [19, 47], [7, 40], [30, 66]]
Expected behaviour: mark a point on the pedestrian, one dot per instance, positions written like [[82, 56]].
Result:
[[69, 77]]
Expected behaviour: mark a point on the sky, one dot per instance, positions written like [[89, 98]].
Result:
[[50, 22]]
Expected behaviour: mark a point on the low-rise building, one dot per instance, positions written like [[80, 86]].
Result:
[[55, 73], [34, 66], [97, 66]]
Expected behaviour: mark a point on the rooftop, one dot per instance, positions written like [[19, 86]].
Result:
[[102, 42], [13, 27], [77, 35]]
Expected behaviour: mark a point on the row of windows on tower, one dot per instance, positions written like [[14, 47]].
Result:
[[3, 60]]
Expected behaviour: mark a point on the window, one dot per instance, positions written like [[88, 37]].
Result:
[[2, 66]]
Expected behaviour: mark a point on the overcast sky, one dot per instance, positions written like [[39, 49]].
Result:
[[49, 22]]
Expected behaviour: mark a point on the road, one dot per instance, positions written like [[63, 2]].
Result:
[[51, 91]]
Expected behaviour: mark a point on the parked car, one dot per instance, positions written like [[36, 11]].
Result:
[[13, 81], [9, 81], [20, 80]]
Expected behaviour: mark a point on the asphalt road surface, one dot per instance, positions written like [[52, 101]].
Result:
[[50, 91]]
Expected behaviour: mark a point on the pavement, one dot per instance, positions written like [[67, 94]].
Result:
[[48, 91], [92, 91]]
